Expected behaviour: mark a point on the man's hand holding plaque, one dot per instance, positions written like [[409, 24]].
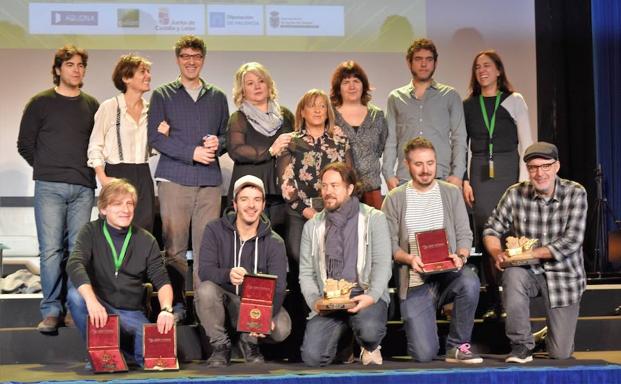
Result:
[[255, 309], [103, 346], [434, 252], [159, 348], [519, 252]]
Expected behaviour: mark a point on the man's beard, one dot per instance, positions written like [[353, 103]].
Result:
[[418, 78]]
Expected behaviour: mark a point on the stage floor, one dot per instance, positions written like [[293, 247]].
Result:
[[75, 371]]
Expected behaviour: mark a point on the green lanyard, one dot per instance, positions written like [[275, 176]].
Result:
[[118, 259], [490, 126], [490, 129]]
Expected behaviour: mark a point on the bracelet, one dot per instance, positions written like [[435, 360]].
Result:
[[271, 152]]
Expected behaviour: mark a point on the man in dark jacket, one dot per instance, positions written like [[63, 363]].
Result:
[[109, 264], [240, 242]]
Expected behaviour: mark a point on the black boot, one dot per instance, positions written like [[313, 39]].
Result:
[[250, 350], [220, 356]]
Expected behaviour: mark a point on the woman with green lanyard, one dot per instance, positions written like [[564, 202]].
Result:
[[498, 132]]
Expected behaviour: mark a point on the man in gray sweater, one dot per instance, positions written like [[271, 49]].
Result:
[[422, 204], [347, 240]]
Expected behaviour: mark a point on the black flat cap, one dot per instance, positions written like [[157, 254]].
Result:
[[541, 150]]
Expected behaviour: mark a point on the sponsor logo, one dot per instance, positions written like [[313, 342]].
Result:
[[274, 19], [127, 18], [217, 19], [74, 18], [163, 16]]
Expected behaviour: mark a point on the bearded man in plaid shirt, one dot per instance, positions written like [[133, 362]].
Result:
[[554, 211]]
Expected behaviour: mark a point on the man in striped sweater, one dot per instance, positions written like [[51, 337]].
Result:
[[425, 203]]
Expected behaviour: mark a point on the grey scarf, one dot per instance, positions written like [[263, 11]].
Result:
[[342, 241], [266, 123]]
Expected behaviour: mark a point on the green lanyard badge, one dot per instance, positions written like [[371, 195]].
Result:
[[490, 129], [118, 259]]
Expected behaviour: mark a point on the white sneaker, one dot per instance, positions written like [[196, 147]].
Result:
[[374, 357]]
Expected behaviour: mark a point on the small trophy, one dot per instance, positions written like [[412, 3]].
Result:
[[519, 252], [336, 295]]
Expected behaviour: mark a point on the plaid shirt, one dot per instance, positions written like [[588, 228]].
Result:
[[189, 122], [558, 223]]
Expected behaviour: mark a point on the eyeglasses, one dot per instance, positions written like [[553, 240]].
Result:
[[544, 167], [186, 57]]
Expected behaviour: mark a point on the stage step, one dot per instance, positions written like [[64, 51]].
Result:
[[22, 310], [593, 333], [27, 345], [21, 343]]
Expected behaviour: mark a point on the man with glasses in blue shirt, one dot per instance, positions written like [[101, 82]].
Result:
[[554, 211], [188, 173]]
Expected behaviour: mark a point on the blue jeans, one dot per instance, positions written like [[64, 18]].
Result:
[[323, 332], [421, 304], [61, 210], [130, 321], [519, 285]]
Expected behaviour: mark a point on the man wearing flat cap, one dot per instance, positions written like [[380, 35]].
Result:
[[553, 211], [240, 242]]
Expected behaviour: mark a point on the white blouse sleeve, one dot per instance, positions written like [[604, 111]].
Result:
[[105, 118], [519, 112]]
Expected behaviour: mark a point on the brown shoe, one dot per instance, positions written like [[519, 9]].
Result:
[[48, 325], [68, 320]]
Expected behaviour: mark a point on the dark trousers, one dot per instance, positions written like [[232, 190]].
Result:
[[218, 311], [295, 301]]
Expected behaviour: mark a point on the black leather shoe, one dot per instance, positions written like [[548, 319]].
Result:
[[220, 357]]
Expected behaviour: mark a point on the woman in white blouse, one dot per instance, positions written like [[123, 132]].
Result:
[[118, 145]]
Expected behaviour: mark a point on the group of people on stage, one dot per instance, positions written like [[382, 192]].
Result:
[[305, 205]]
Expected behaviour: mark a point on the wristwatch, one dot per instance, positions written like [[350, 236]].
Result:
[[167, 309]]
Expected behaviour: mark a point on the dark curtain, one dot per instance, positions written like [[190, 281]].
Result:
[[565, 94], [606, 20]]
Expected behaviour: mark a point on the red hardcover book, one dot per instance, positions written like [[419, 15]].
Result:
[[160, 349], [434, 251], [255, 309], [103, 346]]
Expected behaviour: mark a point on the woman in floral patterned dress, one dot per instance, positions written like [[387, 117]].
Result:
[[314, 145]]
